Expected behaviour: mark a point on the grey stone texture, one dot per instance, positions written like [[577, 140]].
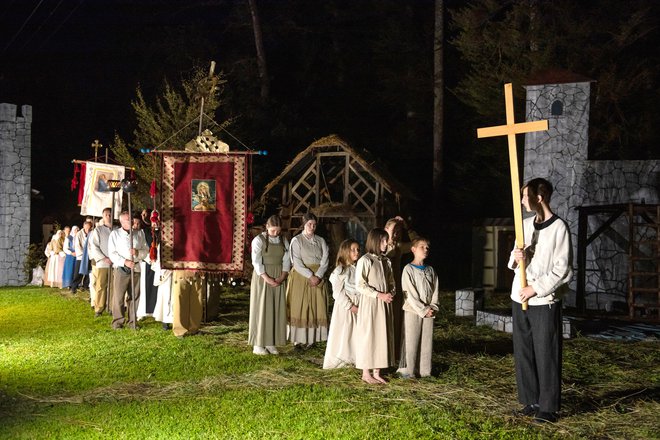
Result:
[[504, 322], [468, 301], [561, 156], [15, 188]]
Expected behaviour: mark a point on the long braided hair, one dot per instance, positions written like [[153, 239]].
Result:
[[273, 221]]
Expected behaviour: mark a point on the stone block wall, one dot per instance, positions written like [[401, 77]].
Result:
[[504, 322], [15, 191], [561, 156], [468, 301]]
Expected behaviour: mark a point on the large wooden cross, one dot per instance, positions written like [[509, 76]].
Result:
[[511, 129]]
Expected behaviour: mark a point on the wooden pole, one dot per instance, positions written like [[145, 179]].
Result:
[[511, 129], [201, 107]]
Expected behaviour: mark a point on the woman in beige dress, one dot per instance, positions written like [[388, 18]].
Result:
[[307, 291], [342, 338], [271, 262], [375, 325]]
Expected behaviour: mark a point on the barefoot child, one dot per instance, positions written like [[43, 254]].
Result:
[[340, 351], [375, 326], [420, 288]]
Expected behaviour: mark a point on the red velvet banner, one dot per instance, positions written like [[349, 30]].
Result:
[[204, 210]]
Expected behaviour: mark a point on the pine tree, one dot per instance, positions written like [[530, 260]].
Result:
[[609, 41], [167, 124]]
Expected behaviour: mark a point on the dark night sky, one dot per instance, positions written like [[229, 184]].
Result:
[[78, 63]]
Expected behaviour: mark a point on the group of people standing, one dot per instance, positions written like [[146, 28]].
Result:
[[115, 264], [370, 326], [67, 266], [383, 314]]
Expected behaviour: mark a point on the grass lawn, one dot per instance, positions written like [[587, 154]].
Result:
[[65, 374]]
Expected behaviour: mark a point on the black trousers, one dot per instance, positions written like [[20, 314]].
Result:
[[537, 352], [79, 279]]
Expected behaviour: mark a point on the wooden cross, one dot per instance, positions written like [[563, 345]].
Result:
[[96, 145], [511, 129]]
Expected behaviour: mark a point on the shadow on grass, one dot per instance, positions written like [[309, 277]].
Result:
[[498, 347], [622, 401], [234, 307], [15, 407]]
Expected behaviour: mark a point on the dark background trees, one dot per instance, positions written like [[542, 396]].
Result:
[[361, 69]]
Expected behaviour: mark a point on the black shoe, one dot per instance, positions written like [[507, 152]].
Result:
[[526, 411], [98, 314], [545, 417], [166, 326]]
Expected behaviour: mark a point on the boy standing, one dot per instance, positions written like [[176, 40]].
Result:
[[420, 289]]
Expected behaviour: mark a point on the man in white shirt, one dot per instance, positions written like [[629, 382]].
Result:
[[98, 251], [126, 250], [537, 332]]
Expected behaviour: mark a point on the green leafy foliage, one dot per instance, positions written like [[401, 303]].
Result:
[[33, 257]]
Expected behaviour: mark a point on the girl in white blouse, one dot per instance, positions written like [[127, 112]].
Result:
[[307, 291], [270, 258]]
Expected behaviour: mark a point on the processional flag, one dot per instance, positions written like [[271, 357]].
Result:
[[203, 211], [97, 195]]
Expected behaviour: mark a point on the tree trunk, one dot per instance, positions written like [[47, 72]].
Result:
[[261, 55], [438, 91]]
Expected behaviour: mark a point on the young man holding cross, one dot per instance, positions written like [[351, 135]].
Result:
[[537, 332]]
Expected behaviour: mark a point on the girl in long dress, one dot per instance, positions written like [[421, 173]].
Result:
[[163, 310], [340, 351], [375, 325], [271, 262], [70, 258], [307, 292], [420, 288], [54, 266]]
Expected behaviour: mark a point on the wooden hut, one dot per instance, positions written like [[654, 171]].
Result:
[[346, 188]]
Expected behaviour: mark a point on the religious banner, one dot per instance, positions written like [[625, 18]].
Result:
[[97, 195], [203, 211]]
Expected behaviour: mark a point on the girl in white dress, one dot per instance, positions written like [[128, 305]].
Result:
[[163, 311], [340, 351]]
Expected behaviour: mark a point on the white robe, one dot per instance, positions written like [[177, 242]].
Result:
[[342, 336]]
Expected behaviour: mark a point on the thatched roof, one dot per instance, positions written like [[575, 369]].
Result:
[[336, 143]]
